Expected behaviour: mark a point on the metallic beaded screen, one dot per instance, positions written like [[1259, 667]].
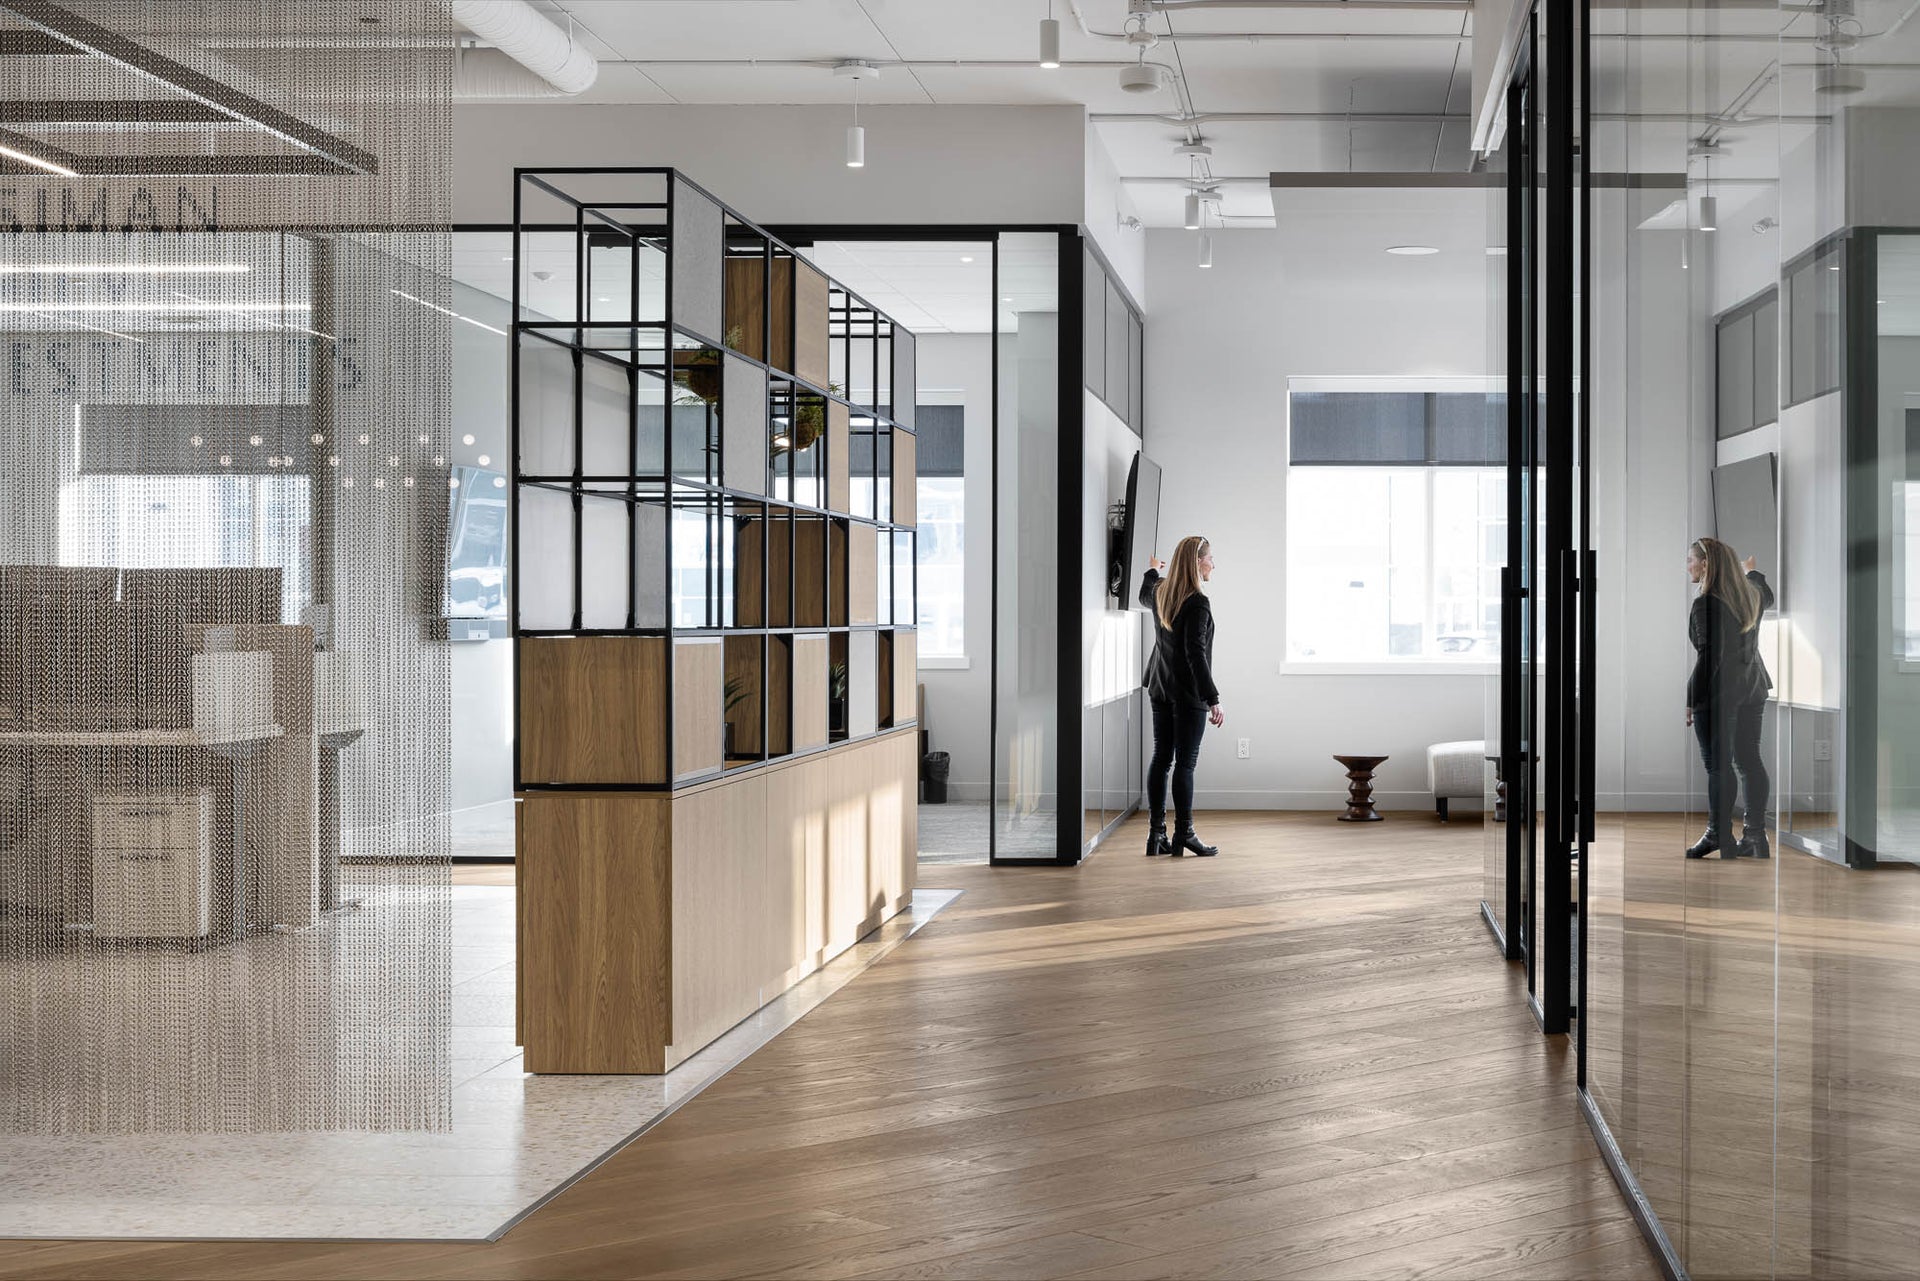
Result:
[[224, 883]]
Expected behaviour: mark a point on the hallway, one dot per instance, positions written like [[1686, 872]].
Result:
[[1299, 1060]]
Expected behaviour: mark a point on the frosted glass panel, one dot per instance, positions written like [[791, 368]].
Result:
[[546, 409], [546, 558], [649, 565], [606, 420], [605, 569], [696, 263]]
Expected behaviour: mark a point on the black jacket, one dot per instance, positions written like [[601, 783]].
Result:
[[1727, 671], [1181, 668]]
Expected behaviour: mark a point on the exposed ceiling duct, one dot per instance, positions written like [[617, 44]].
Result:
[[488, 73], [525, 35]]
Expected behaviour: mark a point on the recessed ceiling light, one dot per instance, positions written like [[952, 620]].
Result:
[[1496, 251], [1006, 300], [966, 258], [1412, 251]]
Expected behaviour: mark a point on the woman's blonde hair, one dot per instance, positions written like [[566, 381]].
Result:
[[1182, 582], [1725, 579]]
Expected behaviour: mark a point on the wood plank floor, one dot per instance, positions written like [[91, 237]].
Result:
[[1301, 1059]]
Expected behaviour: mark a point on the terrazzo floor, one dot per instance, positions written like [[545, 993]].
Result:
[[515, 1139]]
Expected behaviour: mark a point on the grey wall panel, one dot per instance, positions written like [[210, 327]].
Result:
[[1117, 348], [906, 377], [1093, 301], [697, 223], [743, 426]]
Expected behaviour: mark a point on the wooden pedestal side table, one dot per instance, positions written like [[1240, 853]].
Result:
[[1360, 788]]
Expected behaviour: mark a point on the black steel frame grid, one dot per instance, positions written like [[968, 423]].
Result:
[[1588, 702], [1863, 644], [675, 491], [1835, 243], [1555, 993], [1516, 678], [1750, 306], [1136, 380]]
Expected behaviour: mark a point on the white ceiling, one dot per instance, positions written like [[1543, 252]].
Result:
[[945, 287], [1693, 61], [744, 51]]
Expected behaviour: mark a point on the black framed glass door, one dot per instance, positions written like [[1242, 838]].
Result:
[[1545, 687]]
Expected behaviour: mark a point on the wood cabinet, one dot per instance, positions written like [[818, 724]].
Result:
[[653, 922]]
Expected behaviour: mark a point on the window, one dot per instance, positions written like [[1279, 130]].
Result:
[[941, 490], [192, 521], [1396, 526]]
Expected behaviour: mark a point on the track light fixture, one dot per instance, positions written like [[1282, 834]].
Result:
[[1050, 40], [1140, 76]]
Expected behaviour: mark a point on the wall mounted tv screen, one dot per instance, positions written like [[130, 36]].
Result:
[[477, 544], [1745, 503], [1139, 528]]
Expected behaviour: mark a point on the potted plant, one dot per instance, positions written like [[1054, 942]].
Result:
[[837, 698], [809, 423], [698, 373], [736, 691]]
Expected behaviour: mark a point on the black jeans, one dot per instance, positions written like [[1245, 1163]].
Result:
[[1176, 746], [1729, 745]]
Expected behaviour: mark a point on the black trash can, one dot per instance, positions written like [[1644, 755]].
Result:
[[933, 773]]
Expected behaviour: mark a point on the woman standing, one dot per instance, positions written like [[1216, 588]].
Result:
[[1180, 683], [1727, 694]]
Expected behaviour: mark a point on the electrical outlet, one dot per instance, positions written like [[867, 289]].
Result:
[[1246, 748], [1822, 749]]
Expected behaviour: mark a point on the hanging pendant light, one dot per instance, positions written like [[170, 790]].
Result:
[[1206, 250], [1050, 40], [1191, 221], [1709, 214], [856, 71]]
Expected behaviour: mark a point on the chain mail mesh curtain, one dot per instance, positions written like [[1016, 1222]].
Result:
[[224, 899]]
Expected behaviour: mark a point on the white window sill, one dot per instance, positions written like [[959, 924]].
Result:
[[1411, 667], [943, 662]]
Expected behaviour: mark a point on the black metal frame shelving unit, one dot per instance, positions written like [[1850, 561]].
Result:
[[706, 366]]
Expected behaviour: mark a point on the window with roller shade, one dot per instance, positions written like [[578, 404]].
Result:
[[941, 491], [1396, 525]]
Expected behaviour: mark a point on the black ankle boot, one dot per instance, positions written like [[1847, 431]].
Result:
[[1157, 842], [1754, 844], [1706, 845], [1185, 842]]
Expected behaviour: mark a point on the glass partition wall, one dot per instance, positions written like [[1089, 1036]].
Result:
[[1748, 1027]]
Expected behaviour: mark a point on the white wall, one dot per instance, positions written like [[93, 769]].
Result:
[[960, 366], [1318, 296], [936, 164], [1107, 204]]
